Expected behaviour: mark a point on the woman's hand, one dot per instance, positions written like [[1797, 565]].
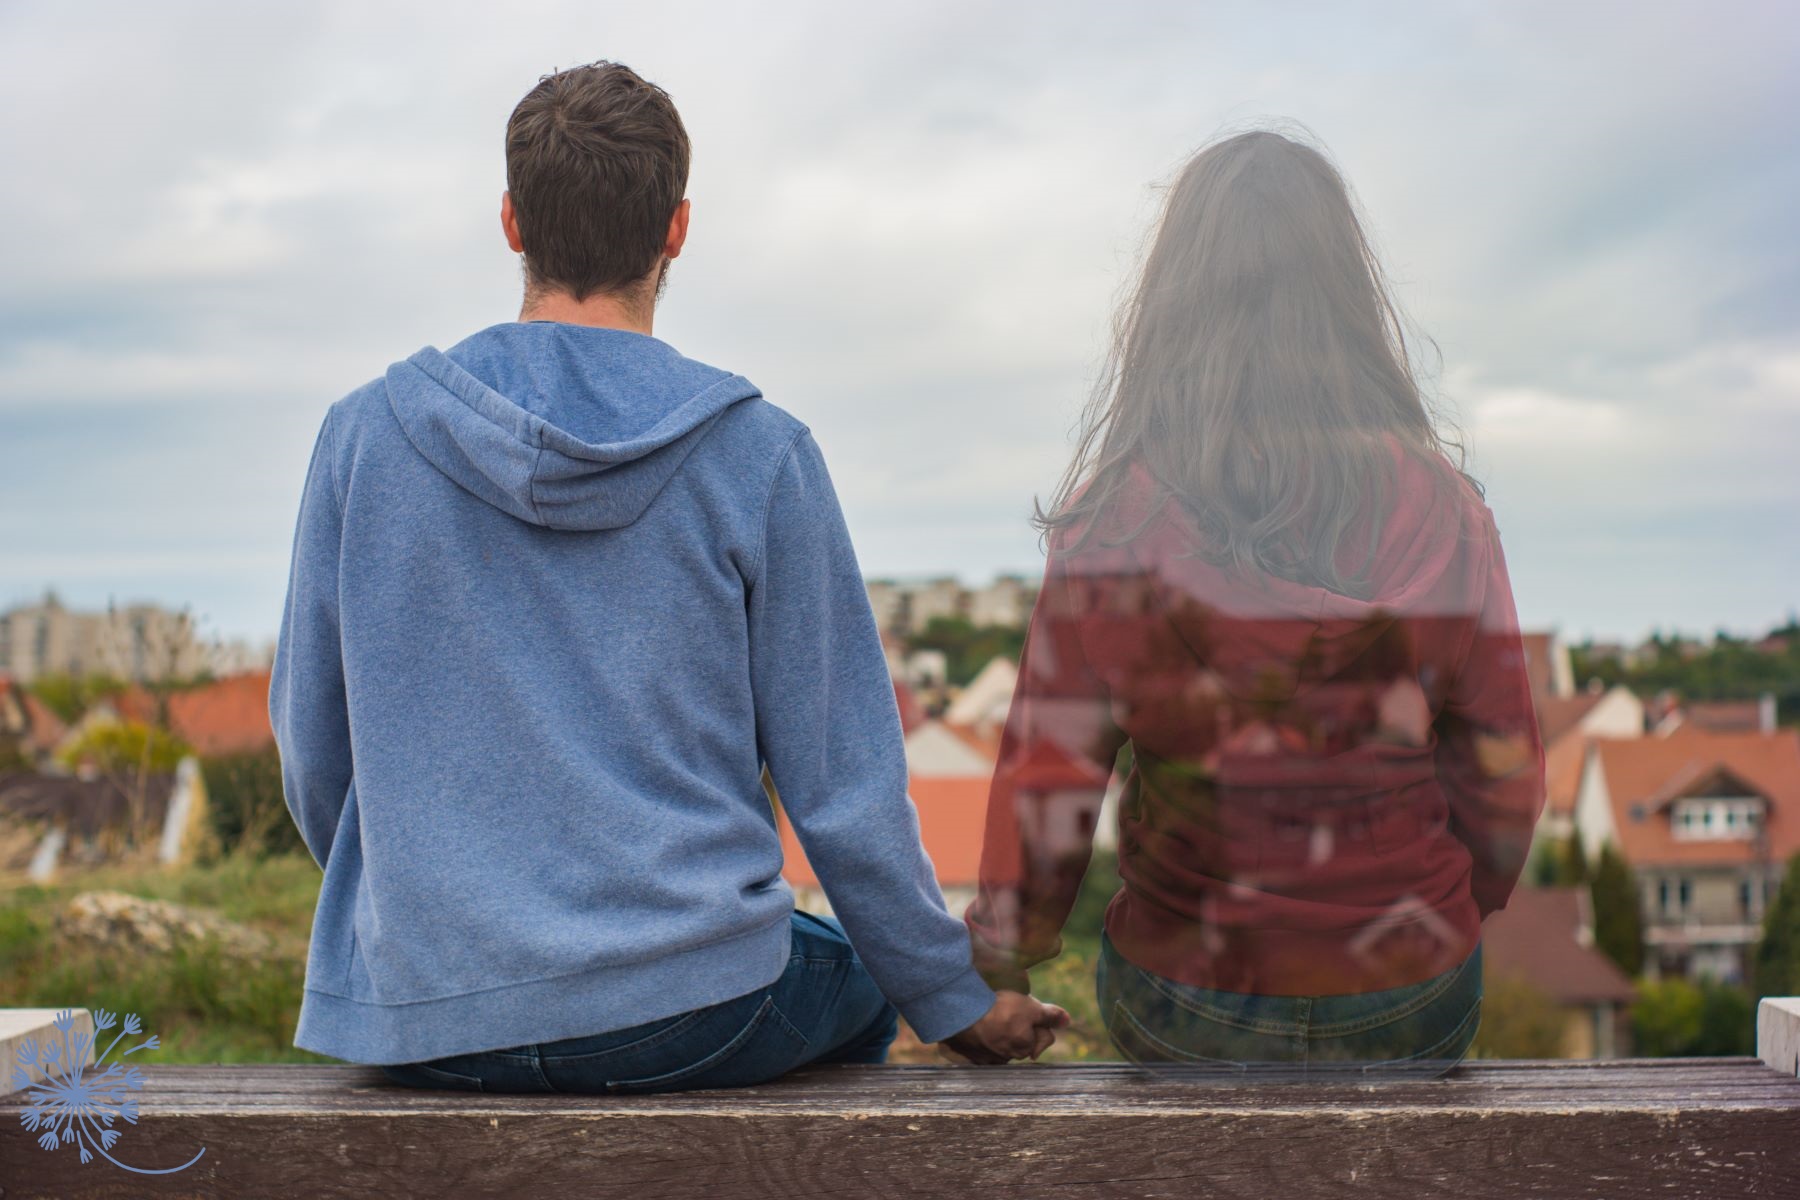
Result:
[[1015, 1027]]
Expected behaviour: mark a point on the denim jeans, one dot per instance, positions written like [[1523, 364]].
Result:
[[824, 1008], [1421, 1030]]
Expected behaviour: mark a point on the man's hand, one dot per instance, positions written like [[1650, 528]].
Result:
[[1015, 1027]]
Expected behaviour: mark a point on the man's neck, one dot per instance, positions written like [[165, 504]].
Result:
[[601, 311]]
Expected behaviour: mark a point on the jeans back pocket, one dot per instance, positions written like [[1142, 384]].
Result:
[[734, 1044]]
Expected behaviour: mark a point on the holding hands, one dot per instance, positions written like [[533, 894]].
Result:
[[1017, 1026]]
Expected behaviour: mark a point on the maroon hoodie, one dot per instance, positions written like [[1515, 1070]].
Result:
[[1325, 795]]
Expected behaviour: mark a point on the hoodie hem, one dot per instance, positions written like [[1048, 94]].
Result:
[[543, 1010]]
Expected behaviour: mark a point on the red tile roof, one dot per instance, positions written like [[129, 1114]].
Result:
[[984, 742], [952, 816], [1640, 773], [1536, 938], [1558, 715], [1563, 761], [43, 728], [228, 716], [133, 702], [1047, 767]]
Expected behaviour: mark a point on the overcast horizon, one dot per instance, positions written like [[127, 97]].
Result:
[[910, 228]]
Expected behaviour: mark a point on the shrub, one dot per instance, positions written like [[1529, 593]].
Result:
[[1679, 1018], [1518, 1021], [246, 808]]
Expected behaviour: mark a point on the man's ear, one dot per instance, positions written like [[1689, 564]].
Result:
[[509, 223], [678, 227]]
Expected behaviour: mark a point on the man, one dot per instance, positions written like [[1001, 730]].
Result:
[[558, 596]]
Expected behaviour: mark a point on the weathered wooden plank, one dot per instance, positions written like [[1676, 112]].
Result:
[[1717, 1128], [1653, 1083]]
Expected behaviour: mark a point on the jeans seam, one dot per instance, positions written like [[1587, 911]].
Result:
[[674, 1030], [1252, 1024]]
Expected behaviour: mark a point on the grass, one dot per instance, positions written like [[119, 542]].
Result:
[[205, 1006], [210, 1008]]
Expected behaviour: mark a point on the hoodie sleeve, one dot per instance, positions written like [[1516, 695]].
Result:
[[1033, 859], [828, 730], [1490, 757], [307, 706]]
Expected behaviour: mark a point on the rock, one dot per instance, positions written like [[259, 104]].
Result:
[[116, 922]]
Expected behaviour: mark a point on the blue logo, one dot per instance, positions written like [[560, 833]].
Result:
[[76, 1102]]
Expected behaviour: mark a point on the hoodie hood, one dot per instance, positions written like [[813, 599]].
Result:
[[563, 426]]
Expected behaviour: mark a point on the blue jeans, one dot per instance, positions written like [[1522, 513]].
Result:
[[1421, 1030], [824, 1008]]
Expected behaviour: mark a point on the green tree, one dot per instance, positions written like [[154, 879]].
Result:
[[1571, 868], [1618, 929], [1777, 965], [68, 696], [967, 647], [124, 747]]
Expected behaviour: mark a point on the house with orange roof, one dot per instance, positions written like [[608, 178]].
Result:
[[952, 815], [1567, 724], [1568, 720], [1545, 937], [227, 716], [948, 773], [1719, 716], [1548, 664], [983, 704], [28, 727], [1707, 822], [949, 770]]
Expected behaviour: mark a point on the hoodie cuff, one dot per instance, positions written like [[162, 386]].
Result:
[[1007, 979], [950, 1009]]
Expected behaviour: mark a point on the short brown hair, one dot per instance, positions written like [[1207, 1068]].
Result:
[[596, 161]]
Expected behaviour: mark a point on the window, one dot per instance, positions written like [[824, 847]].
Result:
[[1715, 818]]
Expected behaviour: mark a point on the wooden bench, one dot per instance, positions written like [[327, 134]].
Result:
[[1711, 1128]]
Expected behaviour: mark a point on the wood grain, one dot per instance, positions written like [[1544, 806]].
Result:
[[1717, 1129]]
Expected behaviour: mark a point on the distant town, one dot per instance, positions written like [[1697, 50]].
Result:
[[1672, 817]]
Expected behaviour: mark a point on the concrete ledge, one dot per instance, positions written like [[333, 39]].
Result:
[[1778, 1033], [1675, 1127], [37, 1024]]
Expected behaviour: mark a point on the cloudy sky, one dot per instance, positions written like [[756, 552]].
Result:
[[911, 224]]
